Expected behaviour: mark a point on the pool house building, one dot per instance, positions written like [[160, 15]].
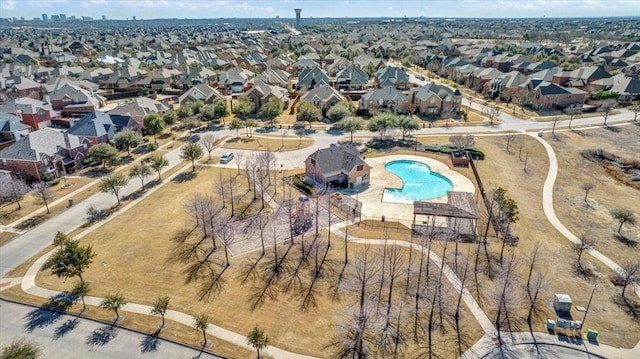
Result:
[[338, 166]]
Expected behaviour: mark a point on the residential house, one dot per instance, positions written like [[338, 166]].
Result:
[[71, 100], [628, 87], [96, 75], [352, 78], [547, 95], [435, 100], [583, 77], [274, 77], [124, 77], [35, 113], [392, 76], [337, 166], [201, 92], [385, 99], [46, 151], [263, 92], [236, 80], [94, 128], [323, 97], [367, 62], [508, 86], [481, 77], [11, 128], [312, 77], [138, 109], [20, 86]]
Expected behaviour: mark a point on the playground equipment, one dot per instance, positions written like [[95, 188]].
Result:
[[301, 215]]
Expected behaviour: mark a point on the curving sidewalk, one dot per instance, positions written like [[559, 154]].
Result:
[[549, 211]]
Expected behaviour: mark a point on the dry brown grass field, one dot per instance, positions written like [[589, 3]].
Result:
[[140, 262], [593, 217]]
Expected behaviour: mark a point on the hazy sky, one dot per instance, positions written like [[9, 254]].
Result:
[[146, 9]]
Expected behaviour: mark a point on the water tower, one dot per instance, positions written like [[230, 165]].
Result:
[[298, 11]]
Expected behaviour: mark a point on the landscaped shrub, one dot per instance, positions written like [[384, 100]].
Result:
[[53, 182], [304, 187]]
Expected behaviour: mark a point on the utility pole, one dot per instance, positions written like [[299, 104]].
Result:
[[589, 304]]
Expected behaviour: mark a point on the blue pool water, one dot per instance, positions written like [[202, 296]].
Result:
[[418, 182]]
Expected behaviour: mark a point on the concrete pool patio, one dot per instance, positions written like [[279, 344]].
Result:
[[381, 178]]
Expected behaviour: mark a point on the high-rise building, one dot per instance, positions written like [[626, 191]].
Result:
[[298, 11], [45, 17], [63, 17], [133, 17], [104, 17], [55, 17]]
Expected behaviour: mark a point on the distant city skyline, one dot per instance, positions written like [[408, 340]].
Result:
[[150, 9]]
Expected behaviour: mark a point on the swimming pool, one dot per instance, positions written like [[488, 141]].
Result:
[[418, 182]]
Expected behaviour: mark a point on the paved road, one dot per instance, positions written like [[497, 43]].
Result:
[[65, 336]]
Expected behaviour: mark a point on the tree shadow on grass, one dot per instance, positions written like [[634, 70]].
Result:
[[629, 305], [615, 129], [102, 336], [49, 313], [625, 240], [65, 328], [581, 133], [150, 343], [185, 177]]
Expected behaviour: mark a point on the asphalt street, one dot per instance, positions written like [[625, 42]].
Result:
[[63, 336]]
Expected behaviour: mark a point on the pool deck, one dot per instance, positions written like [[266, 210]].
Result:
[[371, 198]]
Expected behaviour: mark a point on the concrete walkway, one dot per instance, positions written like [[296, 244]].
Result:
[[549, 210]]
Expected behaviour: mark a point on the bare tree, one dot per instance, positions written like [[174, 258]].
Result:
[[44, 193], [511, 138], [555, 122], [572, 112], [491, 112], [13, 190], [457, 314], [535, 287], [606, 108], [266, 161], [507, 299], [586, 187], [201, 209], [220, 188], [462, 141], [208, 141], [586, 243], [630, 275]]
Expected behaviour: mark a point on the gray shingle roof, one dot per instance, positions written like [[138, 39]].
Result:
[[337, 159], [93, 124], [385, 94], [10, 123], [45, 141]]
